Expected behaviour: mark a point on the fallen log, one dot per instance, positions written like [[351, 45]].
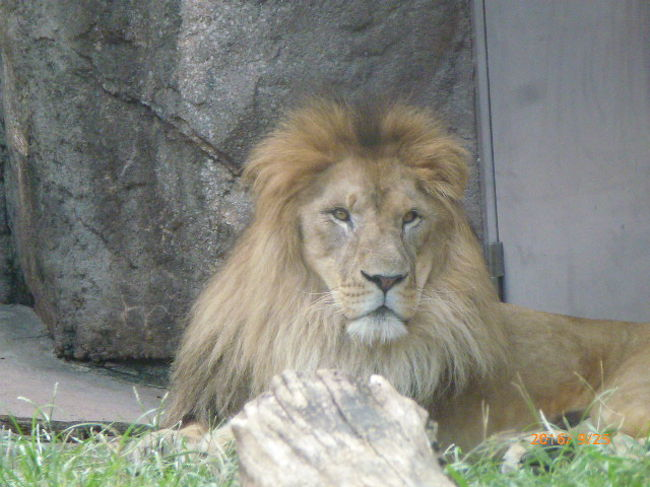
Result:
[[330, 431], [76, 429]]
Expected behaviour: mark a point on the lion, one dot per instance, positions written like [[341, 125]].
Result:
[[360, 257]]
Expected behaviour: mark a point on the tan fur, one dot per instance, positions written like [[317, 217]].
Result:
[[293, 294]]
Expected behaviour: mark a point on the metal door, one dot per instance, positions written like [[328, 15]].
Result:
[[565, 98]]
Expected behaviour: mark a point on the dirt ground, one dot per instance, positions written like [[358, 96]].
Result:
[[31, 377]]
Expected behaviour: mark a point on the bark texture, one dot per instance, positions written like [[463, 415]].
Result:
[[328, 430]]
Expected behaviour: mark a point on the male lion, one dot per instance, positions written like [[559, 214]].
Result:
[[360, 257]]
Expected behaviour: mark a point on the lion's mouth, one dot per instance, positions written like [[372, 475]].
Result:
[[381, 325], [384, 312]]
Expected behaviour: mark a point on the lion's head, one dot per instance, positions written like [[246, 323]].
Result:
[[359, 257], [370, 231]]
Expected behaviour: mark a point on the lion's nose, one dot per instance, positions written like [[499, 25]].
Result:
[[384, 282]]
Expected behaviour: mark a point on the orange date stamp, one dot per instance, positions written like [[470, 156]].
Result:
[[565, 438]]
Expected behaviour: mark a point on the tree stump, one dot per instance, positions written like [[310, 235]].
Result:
[[326, 430]]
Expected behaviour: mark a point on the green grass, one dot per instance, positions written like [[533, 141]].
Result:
[[45, 460], [49, 460], [625, 462]]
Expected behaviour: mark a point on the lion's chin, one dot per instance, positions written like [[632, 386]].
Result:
[[380, 326]]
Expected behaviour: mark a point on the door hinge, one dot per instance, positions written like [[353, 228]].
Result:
[[496, 266]]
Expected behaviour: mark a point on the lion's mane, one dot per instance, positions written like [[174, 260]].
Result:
[[262, 312]]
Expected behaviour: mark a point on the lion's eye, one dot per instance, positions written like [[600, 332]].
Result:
[[341, 214], [410, 217]]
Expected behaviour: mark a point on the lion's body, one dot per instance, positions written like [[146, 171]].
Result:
[[563, 364], [360, 257]]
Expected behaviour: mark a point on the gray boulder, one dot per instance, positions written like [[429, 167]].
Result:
[[127, 124]]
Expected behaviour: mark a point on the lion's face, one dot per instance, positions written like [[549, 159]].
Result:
[[369, 233]]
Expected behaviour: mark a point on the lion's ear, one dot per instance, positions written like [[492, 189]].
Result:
[[280, 166], [443, 170]]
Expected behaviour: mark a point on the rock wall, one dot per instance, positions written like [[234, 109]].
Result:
[[12, 284], [6, 247], [127, 124]]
